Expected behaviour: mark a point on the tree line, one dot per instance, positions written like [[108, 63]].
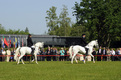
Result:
[[98, 19], [10, 31]]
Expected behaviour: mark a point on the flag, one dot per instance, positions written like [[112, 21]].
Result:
[[5, 42], [9, 41], [2, 42], [22, 42], [18, 42], [15, 42]]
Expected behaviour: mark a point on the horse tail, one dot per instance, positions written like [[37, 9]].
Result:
[[16, 53], [71, 51]]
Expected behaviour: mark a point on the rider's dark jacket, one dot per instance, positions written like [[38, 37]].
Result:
[[83, 42], [29, 42]]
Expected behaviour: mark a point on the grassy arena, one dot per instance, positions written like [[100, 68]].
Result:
[[60, 71]]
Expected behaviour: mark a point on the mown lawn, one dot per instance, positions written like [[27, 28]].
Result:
[[61, 71]]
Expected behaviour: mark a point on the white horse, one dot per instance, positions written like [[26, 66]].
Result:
[[74, 50], [23, 50]]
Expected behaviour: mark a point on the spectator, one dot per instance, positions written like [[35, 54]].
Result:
[[39, 57], [108, 54], [14, 52], [3, 53], [100, 51], [8, 52], [48, 54], [51, 51], [12, 55], [94, 53], [54, 53], [113, 55], [68, 59], [104, 54], [62, 52], [58, 53], [43, 57], [65, 57], [119, 51], [117, 57]]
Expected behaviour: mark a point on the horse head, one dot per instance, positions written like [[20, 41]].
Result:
[[96, 43], [39, 44], [93, 43]]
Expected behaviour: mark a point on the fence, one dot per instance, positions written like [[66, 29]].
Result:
[[59, 55], [66, 57]]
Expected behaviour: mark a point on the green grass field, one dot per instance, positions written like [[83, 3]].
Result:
[[60, 71]]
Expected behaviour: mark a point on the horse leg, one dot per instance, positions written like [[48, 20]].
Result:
[[32, 58], [20, 58], [92, 57], [73, 57], [17, 59], [76, 60], [36, 58]]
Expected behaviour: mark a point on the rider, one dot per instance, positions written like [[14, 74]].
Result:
[[30, 42], [83, 43]]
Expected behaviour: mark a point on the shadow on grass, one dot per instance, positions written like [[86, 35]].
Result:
[[15, 63], [79, 62]]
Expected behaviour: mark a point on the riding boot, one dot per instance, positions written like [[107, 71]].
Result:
[[32, 54], [86, 51]]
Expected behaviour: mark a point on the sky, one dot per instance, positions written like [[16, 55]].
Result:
[[19, 14]]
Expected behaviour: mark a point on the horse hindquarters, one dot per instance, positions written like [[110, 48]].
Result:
[[16, 54], [71, 51]]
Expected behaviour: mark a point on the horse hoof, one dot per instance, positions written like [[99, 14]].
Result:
[[84, 62], [71, 63], [32, 61]]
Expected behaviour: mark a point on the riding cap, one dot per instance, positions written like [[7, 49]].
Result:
[[83, 34], [29, 35]]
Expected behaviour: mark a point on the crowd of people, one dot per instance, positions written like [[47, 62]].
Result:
[[53, 54], [7, 55], [107, 54]]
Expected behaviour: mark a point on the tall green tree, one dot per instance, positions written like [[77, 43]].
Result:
[[52, 20], [78, 30], [26, 30], [101, 17], [64, 22]]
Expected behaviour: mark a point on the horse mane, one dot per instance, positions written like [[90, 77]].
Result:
[[91, 42]]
